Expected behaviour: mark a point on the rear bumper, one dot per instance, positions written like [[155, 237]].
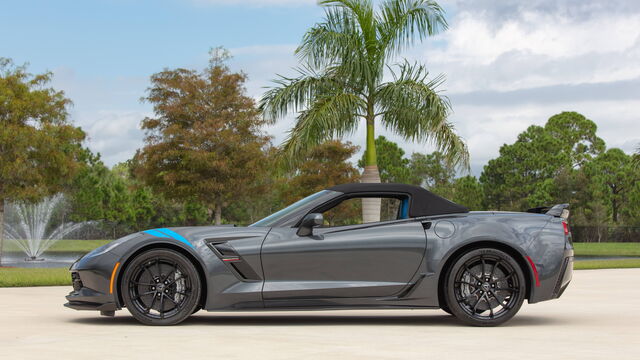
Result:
[[566, 274], [554, 278]]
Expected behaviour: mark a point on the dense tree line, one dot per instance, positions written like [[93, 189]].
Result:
[[206, 160]]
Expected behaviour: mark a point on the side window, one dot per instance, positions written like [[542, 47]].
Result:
[[349, 211]]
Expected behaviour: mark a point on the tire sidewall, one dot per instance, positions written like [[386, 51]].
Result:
[[450, 296], [189, 268]]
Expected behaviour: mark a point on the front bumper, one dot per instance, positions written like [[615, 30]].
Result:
[[84, 298], [87, 299], [91, 285]]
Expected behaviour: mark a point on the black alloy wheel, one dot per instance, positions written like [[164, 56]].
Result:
[[161, 287], [485, 287]]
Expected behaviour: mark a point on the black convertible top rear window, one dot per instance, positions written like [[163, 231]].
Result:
[[423, 202]]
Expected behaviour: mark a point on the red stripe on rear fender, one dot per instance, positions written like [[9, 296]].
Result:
[[535, 271]]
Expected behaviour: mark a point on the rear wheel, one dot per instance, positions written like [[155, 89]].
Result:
[[161, 287], [485, 287]]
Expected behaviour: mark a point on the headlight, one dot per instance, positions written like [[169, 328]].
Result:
[[110, 246], [104, 248]]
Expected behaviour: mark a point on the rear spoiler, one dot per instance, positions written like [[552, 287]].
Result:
[[560, 210]]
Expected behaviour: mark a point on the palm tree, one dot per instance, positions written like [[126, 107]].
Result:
[[340, 83]]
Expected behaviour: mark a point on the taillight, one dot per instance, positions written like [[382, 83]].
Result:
[[566, 227]]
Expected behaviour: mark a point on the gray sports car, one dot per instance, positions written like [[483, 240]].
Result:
[[422, 251]]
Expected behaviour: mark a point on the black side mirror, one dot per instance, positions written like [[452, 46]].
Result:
[[309, 222]]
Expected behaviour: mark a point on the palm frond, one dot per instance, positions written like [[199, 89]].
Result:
[[412, 107], [335, 40], [294, 94], [362, 11], [331, 116], [402, 22]]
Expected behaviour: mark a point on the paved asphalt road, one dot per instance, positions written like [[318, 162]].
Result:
[[598, 317]]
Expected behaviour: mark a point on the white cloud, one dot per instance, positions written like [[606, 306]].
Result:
[[508, 65], [114, 134], [257, 3], [108, 110]]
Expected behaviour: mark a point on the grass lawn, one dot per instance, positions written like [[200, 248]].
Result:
[[81, 246], [20, 277], [607, 249], [606, 264]]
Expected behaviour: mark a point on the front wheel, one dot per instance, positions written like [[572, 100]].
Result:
[[485, 287], [160, 287]]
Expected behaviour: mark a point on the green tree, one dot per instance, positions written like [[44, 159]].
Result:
[[341, 84], [40, 149], [325, 166], [102, 194], [392, 165], [612, 178], [204, 142], [524, 173], [431, 171], [468, 191]]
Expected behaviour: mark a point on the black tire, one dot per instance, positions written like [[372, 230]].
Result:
[[446, 309], [485, 287], [160, 287]]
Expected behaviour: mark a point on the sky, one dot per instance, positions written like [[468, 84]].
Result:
[[508, 64]]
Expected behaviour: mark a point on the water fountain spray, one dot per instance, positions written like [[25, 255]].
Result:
[[28, 226]]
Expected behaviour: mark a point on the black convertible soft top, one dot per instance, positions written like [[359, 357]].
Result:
[[423, 202]]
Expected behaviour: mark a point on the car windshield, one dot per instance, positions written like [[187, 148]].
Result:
[[277, 216]]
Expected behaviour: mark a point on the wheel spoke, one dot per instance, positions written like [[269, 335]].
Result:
[[506, 277], [145, 294], [145, 268], [173, 301], [158, 269], [162, 296], [490, 307], [466, 283], [507, 289], [471, 273], [173, 271], [483, 265], [500, 301], [153, 302], [493, 271]]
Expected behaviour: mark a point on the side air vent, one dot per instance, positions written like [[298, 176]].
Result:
[[244, 270], [225, 249], [426, 225], [230, 256]]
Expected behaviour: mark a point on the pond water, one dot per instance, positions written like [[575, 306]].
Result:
[[51, 260]]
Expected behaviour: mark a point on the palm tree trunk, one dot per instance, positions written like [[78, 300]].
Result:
[[1, 227], [370, 206]]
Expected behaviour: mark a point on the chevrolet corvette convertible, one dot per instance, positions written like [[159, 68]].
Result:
[[415, 250]]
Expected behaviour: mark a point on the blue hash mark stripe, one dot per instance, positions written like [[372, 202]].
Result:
[[167, 233]]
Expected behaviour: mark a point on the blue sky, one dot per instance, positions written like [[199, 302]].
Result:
[[508, 64], [130, 38]]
